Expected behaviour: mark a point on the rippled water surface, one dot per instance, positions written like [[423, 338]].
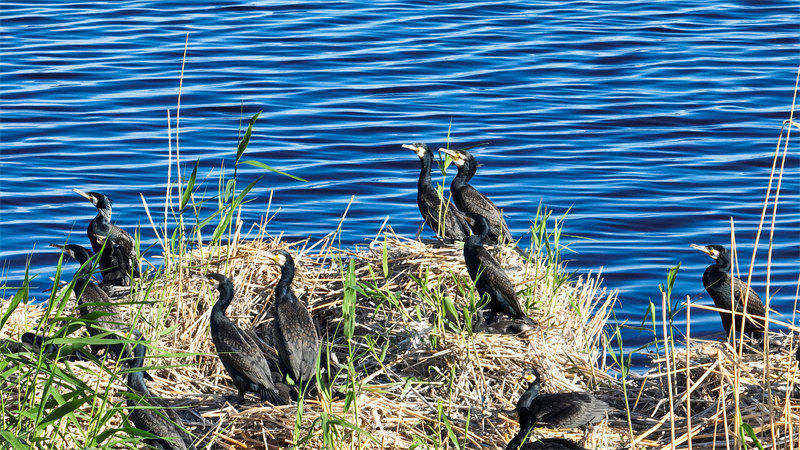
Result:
[[652, 123]]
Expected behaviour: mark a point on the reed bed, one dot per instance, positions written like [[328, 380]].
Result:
[[406, 368]]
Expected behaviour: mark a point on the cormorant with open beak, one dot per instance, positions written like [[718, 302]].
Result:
[[441, 215], [239, 349], [489, 277], [296, 339], [119, 261], [717, 280], [470, 201]]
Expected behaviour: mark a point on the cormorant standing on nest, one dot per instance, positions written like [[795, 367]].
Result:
[[118, 261], [470, 201], [163, 423], [490, 279], [561, 410], [717, 281], [548, 444], [94, 305], [238, 349], [296, 339], [441, 215]]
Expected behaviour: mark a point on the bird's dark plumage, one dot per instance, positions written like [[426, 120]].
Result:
[[238, 349], [118, 261], [163, 423], [717, 281], [489, 277], [550, 444], [296, 339], [560, 410], [94, 305], [470, 201], [441, 215], [36, 344]]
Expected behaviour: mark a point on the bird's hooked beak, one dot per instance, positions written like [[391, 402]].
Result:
[[63, 249], [83, 194], [279, 258], [457, 157], [419, 149], [705, 249], [530, 377]]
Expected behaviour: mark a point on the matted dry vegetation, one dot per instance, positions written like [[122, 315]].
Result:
[[414, 377], [412, 374]]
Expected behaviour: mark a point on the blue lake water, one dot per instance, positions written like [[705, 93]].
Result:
[[652, 123]]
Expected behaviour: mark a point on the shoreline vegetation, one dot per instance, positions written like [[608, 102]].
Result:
[[406, 369]]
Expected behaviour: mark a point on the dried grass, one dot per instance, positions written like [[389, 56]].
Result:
[[412, 378]]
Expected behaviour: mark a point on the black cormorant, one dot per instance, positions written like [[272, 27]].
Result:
[[548, 444], [163, 423], [238, 349], [717, 281], [560, 410], [108, 274], [490, 279], [470, 201], [119, 261], [441, 215], [36, 344], [94, 305], [296, 339]]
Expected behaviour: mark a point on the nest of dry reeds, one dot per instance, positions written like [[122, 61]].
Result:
[[411, 372], [403, 369]]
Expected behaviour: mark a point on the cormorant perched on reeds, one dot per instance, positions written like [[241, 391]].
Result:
[[441, 215], [119, 261], [549, 444], [163, 423], [470, 201], [238, 349], [490, 279], [94, 305], [560, 410], [296, 339], [717, 281]]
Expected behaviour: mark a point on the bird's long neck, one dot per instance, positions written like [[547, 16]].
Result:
[[84, 274], [517, 440], [531, 393], [225, 296], [424, 181], [80, 281], [723, 264], [471, 243], [103, 216], [465, 173], [137, 384], [480, 230], [287, 276]]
